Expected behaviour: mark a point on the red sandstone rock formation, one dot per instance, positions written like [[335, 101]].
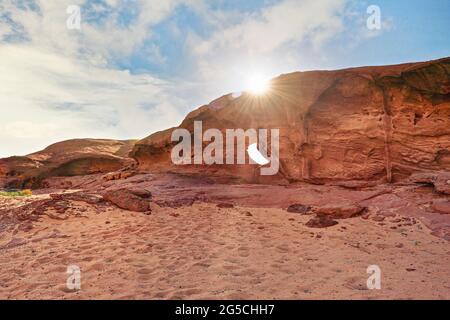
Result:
[[68, 158], [341, 211], [353, 127], [367, 124], [137, 200]]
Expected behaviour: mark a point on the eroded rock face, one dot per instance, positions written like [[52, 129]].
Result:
[[65, 159], [439, 180], [361, 124]]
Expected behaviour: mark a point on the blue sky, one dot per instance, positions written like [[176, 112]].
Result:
[[417, 30], [138, 66]]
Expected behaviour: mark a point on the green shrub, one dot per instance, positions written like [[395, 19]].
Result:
[[22, 193]]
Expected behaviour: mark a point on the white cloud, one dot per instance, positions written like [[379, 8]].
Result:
[[98, 37], [46, 97], [266, 41], [290, 21], [59, 84]]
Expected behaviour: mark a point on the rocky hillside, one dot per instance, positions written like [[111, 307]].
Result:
[[361, 124], [354, 126], [63, 159]]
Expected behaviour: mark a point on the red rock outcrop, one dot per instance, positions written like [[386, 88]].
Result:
[[64, 159], [321, 222], [137, 200], [361, 124], [340, 211]]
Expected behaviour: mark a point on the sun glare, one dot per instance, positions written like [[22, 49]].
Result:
[[258, 84]]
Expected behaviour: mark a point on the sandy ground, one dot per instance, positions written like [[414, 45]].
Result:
[[206, 252]]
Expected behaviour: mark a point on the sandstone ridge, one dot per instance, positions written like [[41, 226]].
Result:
[[65, 159]]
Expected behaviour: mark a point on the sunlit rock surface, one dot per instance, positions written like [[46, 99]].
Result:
[[65, 159]]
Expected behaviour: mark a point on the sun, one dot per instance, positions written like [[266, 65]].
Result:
[[258, 84]]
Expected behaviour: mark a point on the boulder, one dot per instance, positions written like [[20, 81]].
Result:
[[442, 185], [339, 211], [321, 222], [129, 199], [367, 125], [78, 157], [118, 175], [225, 205], [440, 180], [299, 208]]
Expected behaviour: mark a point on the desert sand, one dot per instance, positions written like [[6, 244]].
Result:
[[202, 251]]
